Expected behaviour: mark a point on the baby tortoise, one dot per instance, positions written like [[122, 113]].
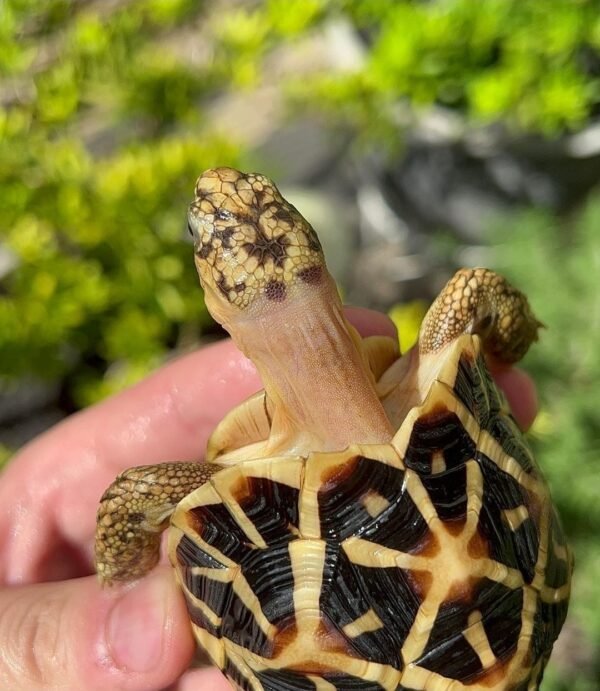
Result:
[[368, 521]]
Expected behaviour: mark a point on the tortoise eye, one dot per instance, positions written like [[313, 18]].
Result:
[[483, 326], [223, 214], [190, 229]]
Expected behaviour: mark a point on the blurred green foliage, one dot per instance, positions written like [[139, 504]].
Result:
[[532, 65], [522, 61], [105, 123], [102, 134]]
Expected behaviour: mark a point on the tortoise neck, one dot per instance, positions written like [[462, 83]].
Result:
[[314, 373]]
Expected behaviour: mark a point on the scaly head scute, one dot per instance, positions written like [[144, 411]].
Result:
[[249, 241]]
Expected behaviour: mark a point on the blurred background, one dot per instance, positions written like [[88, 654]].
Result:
[[416, 136]]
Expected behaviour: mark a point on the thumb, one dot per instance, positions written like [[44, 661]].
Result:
[[76, 635]]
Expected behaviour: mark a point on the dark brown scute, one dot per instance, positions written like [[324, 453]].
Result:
[[269, 574], [239, 625], [189, 553], [238, 622], [448, 493], [344, 682], [476, 389], [400, 526], [284, 680], [547, 624], [517, 549], [199, 618], [290, 680], [453, 656], [272, 508], [501, 609], [558, 570], [233, 673], [350, 590], [438, 432], [550, 617], [212, 592], [435, 434], [507, 433], [218, 528]]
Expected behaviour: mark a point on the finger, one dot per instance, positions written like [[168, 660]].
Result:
[[75, 635], [370, 323], [519, 389], [49, 493], [208, 678]]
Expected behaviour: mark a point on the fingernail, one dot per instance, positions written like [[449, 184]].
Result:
[[137, 624]]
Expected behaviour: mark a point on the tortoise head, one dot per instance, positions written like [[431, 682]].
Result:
[[252, 247], [265, 280]]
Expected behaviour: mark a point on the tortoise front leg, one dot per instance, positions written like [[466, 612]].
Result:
[[135, 510], [482, 302]]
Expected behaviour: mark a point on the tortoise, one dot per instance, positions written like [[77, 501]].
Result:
[[370, 520]]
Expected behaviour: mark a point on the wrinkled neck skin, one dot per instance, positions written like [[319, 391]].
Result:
[[313, 370]]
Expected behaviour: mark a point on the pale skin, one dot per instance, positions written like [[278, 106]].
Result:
[[55, 618]]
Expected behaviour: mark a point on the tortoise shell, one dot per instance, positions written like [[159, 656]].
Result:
[[434, 562], [369, 521]]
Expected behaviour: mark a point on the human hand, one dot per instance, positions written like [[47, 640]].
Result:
[[58, 628]]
